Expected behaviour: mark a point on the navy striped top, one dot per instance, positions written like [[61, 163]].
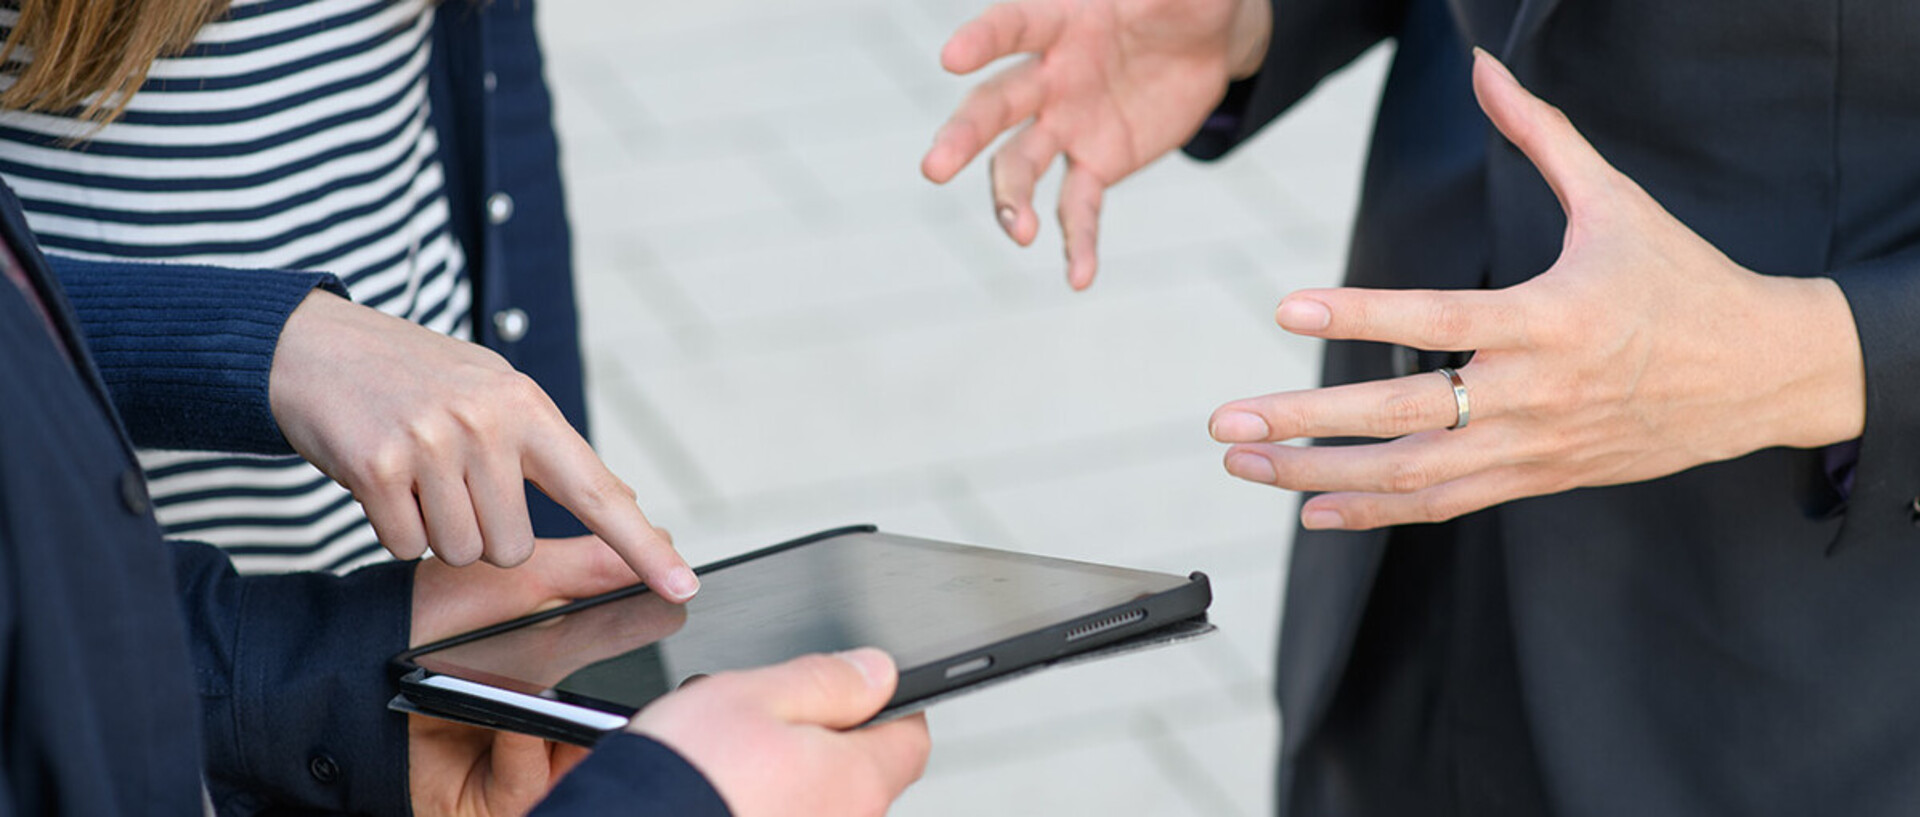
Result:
[[294, 134]]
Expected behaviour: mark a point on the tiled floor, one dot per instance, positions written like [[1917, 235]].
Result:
[[788, 329]]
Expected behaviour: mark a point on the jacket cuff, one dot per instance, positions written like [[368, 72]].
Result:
[[292, 675], [1310, 41], [634, 774], [1884, 295], [186, 351]]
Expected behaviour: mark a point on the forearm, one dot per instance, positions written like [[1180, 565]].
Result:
[[291, 672], [186, 351]]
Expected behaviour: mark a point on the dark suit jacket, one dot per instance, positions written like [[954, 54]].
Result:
[[127, 666], [1738, 638]]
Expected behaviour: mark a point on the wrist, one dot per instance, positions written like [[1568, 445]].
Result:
[[1824, 396], [1249, 37]]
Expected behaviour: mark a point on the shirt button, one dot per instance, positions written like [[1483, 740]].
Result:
[[499, 208], [323, 768], [133, 492], [490, 81], [512, 324]]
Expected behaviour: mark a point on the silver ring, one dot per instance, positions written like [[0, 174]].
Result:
[[1461, 412]]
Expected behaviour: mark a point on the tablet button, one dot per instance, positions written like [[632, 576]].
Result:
[[969, 666], [323, 768]]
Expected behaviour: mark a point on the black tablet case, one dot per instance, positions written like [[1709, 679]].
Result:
[[452, 706]]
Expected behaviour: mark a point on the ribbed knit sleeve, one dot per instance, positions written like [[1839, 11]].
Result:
[[186, 350]]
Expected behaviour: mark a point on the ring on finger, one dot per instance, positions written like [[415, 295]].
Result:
[[1462, 411]]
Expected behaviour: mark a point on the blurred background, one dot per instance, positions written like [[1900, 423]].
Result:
[[788, 329]]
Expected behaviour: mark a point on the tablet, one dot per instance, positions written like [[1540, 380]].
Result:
[[952, 616]]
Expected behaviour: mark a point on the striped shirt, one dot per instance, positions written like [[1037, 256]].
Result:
[[294, 134]]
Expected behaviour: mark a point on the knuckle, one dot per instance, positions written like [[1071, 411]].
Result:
[[404, 548], [1407, 476], [387, 466], [605, 490], [457, 553], [472, 415], [1402, 414], [1448, 326], [428, 436], [816, 675], [509, 553], [1431, 508], [1287, 419]]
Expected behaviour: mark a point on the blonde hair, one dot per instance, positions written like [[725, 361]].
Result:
[[65, 54]]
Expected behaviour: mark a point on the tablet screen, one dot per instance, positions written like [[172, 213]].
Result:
[[922, 601]]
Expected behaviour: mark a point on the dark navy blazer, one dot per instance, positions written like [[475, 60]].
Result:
[[1736, 638], [128, 665]]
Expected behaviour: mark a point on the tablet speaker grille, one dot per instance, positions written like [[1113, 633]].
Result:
[[1105, 624]]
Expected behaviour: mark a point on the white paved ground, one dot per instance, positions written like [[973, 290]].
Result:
[[788, 329]]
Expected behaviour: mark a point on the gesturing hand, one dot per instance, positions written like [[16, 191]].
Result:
[[470, 772], [1113, 85], [1642, 352], [436, 438], [774, 741]]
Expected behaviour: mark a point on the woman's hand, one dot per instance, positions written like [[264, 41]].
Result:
[[436, 437], [1642, 352], [1112, 84]]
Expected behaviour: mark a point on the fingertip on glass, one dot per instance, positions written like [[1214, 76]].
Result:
[[681, 583]]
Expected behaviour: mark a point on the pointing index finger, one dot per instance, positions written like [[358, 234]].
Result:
[[1430, 319], [565, 468]]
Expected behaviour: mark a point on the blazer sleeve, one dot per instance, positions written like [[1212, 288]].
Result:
[[632, 774], [186, 351], [1884, 295], [1311, 40], [292, 676]]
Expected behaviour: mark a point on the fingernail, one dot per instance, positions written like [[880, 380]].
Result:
[[1481, 55], [872, 664], [1251, 467], [1322, 519], [1239, 427], [681, 583], [1303, 315], [1007, 218]]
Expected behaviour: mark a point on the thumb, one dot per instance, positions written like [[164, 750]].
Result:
[[1575, 171], [520, 770], [836, 691]]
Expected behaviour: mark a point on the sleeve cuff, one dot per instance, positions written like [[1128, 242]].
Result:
[[186, 351], [1884, 500], [634, 774], [292, 674], [1310, 41]]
